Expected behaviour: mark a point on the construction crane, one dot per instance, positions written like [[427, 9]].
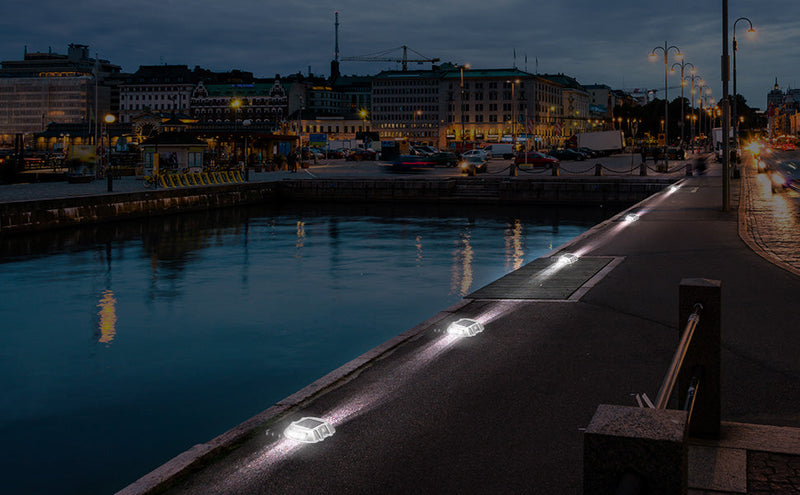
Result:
[[384, 57]]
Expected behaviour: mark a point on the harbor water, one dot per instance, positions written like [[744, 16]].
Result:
[[123, 345]]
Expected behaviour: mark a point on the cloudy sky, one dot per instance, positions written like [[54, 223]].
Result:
[[594, 41]]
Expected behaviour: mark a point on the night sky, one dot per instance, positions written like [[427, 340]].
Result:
[[595, 42]]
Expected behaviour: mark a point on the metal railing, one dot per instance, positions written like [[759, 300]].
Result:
[[671, 377], [645, 450]]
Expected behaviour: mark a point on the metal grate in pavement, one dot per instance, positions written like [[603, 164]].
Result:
[[545, 279]]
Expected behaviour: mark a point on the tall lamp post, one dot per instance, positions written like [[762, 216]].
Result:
[[461, 103], [513, 170], [653, 57], [109, 119], [750, 33], [682, 64]]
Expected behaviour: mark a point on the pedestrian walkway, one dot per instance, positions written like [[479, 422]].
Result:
[[504, 411]]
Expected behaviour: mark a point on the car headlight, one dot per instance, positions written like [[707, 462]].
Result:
[[778, 179]]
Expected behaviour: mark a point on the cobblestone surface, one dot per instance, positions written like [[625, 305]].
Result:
[[772, 473], [772, 221]]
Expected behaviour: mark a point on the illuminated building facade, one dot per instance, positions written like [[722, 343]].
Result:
[[50, 87], [157, 88]]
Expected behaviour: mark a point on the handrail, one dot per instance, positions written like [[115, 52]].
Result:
[[671, 377]]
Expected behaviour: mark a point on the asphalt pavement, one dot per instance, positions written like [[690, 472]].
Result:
[[504, 411]]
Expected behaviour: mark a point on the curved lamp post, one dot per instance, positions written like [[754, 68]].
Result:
[[653, 57], [750, 33], [682, 64]]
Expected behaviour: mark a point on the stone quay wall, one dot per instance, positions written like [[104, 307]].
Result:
[[43, 214]]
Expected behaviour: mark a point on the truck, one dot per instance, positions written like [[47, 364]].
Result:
[[502, 150], [606, 142]]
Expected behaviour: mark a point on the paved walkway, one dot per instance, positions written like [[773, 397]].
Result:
[[503, 412]]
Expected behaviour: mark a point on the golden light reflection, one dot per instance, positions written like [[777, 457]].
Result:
[[108, 317], [462, 267], [418, 245], [301, 235], [515, 256]]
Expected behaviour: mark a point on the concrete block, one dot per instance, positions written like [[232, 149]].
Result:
[[648, 442]]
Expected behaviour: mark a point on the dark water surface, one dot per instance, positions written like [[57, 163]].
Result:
[[124, 345]]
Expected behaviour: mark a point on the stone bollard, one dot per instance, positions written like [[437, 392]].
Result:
[[642, 169], [688, 170], [598, 169], [512, 169], [554, 170], [649, 443]]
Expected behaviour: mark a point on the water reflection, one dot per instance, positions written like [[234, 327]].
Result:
[[108, 317], [461, 280], [418, 246], [515, 255], [301, 237]]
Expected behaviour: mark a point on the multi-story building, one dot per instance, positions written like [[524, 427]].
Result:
[[258, 102], [574, 103], [450, 105], [157, 88], [50, 87]]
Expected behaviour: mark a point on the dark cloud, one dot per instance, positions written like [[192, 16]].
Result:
[[596, 42]]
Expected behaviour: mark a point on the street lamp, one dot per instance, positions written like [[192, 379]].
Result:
[[682, 65], [109, 119], [750, 33], [236, 104], [513, 169], [653, 57], [461, 102]]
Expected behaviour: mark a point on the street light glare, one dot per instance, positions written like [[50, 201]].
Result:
[[750, 33], [652, 57], [679, 56]]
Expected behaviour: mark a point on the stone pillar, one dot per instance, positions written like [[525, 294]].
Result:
[[628, 442]]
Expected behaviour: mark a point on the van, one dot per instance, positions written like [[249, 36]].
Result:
[[506, 151]]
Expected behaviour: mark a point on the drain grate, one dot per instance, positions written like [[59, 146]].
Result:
[[544, 279]]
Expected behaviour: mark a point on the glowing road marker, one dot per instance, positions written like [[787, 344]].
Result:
[[631, 217], [567, 259], [465, 328], [309, 430]]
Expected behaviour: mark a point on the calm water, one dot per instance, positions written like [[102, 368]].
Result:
[[123, 346]]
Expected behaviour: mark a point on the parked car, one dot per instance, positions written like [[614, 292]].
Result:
[[673, 153], [335, 154], [423, 150], [588, 153], [785, 175], [444, 159], [361, 155], [565, 154], [535, 159], [484, 154], [473, 164], [412, 162]]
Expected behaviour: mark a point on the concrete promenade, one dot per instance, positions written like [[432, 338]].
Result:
[[504, 411]]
